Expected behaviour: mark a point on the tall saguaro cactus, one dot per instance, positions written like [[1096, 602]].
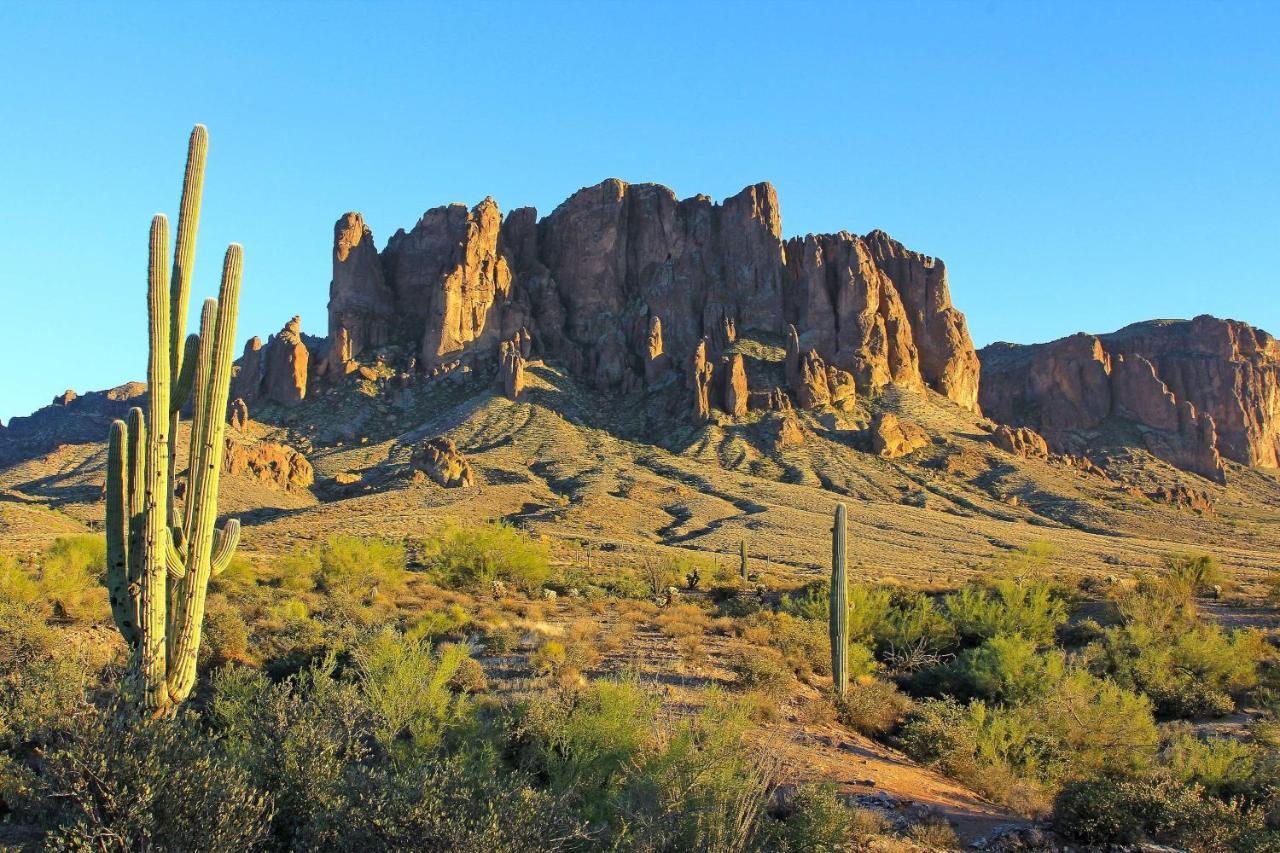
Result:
[[838, 619], [742, 558], [159, 560]]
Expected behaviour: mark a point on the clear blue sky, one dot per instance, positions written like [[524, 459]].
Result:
[[1078, 165]]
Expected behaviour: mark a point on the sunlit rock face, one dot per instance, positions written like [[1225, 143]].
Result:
[[1201, 390], [624, 282]]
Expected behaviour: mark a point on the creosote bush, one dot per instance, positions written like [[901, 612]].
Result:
[[474, 557]]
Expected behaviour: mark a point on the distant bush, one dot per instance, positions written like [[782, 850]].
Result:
[[1192, 574], [474, 557], [356, 566], [816, 820]]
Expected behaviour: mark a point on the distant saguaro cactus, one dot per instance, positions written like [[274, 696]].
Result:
[[159, 560], [742, 558], [838, 618]]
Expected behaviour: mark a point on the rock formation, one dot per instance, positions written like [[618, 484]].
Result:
[[621, 284], [892, 437], [442, 461], [1198, 390], [700, 374], [276, 465], [511, 364], [1020, 440], [735, 386], [239, 414], [277, 371]]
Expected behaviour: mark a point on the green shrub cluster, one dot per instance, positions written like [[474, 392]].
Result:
[[474, 557]]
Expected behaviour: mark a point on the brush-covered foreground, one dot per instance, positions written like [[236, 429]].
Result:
[[481, 689]]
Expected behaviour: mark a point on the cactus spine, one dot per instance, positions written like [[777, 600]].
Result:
[[159, 561], [838, 619]]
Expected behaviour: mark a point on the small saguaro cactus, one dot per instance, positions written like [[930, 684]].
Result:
[[838, 619], [159, 560], [742, 559]]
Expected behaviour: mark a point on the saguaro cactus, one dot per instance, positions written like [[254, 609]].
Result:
[[838, 619], [742, 558], [159, 560]]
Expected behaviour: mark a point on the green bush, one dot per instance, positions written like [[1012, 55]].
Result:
[[910, 633], [115, 782], [474, 557], [1224, 767], [406, 686], [817, 821], [67, 579], [356, 567], [1008, 606], [1192, 574], [872, 707], [1007, 669], [1190, 672], [1159, 809]]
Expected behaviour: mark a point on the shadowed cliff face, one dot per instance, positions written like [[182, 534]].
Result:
[[1201, 389], [617, 264]]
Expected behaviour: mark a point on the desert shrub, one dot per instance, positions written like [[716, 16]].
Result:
[[703, 787], [1081, 727], [760, 669], [911, 633], [500, 639], [1008, 606], [356, 566], [817, 820], [1159, 809], [872, 707], [869, 609], [447, 622], [806, 645], [934, 834], [298, 739], [680, 620], [550, 658], [110, 783], [1191, 574], [225, 637], [811, 601], [405, 684], [470, 678], [68, 577], [42, 678], [584, 743], [297, 571], [1009, 669], [473, 557], [1224, 767], [1190, 672]]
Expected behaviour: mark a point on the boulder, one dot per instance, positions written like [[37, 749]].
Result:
[[1020, 441], [892, 437], [276, 465], [442, 461]]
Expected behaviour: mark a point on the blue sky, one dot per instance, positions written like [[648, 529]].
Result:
[[1079, 166]]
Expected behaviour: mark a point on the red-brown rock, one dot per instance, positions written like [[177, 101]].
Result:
[[892, 437], [442, 461], [276, 465], [735, 386], [1021, 441]]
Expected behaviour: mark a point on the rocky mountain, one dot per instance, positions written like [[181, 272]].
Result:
[[629, 287], [1196, 391]]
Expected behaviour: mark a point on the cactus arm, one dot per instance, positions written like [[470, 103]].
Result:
[[173, 560], [186, 379], [124, 604], [205, 469], [839, 610], [152, 604], [225, 548], [184, 248], [199, 410]]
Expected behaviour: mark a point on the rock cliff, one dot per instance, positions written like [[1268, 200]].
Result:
[[1198, 390], [623, 283]]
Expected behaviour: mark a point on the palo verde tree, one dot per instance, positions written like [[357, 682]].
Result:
[[161, 553]]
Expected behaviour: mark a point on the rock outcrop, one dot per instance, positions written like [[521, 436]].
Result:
[[623, 283], [735, 386], [276, 465], [511, 364], [442, 461], [1197, 390], [277, 371], [1021, 441], [892, 437]]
